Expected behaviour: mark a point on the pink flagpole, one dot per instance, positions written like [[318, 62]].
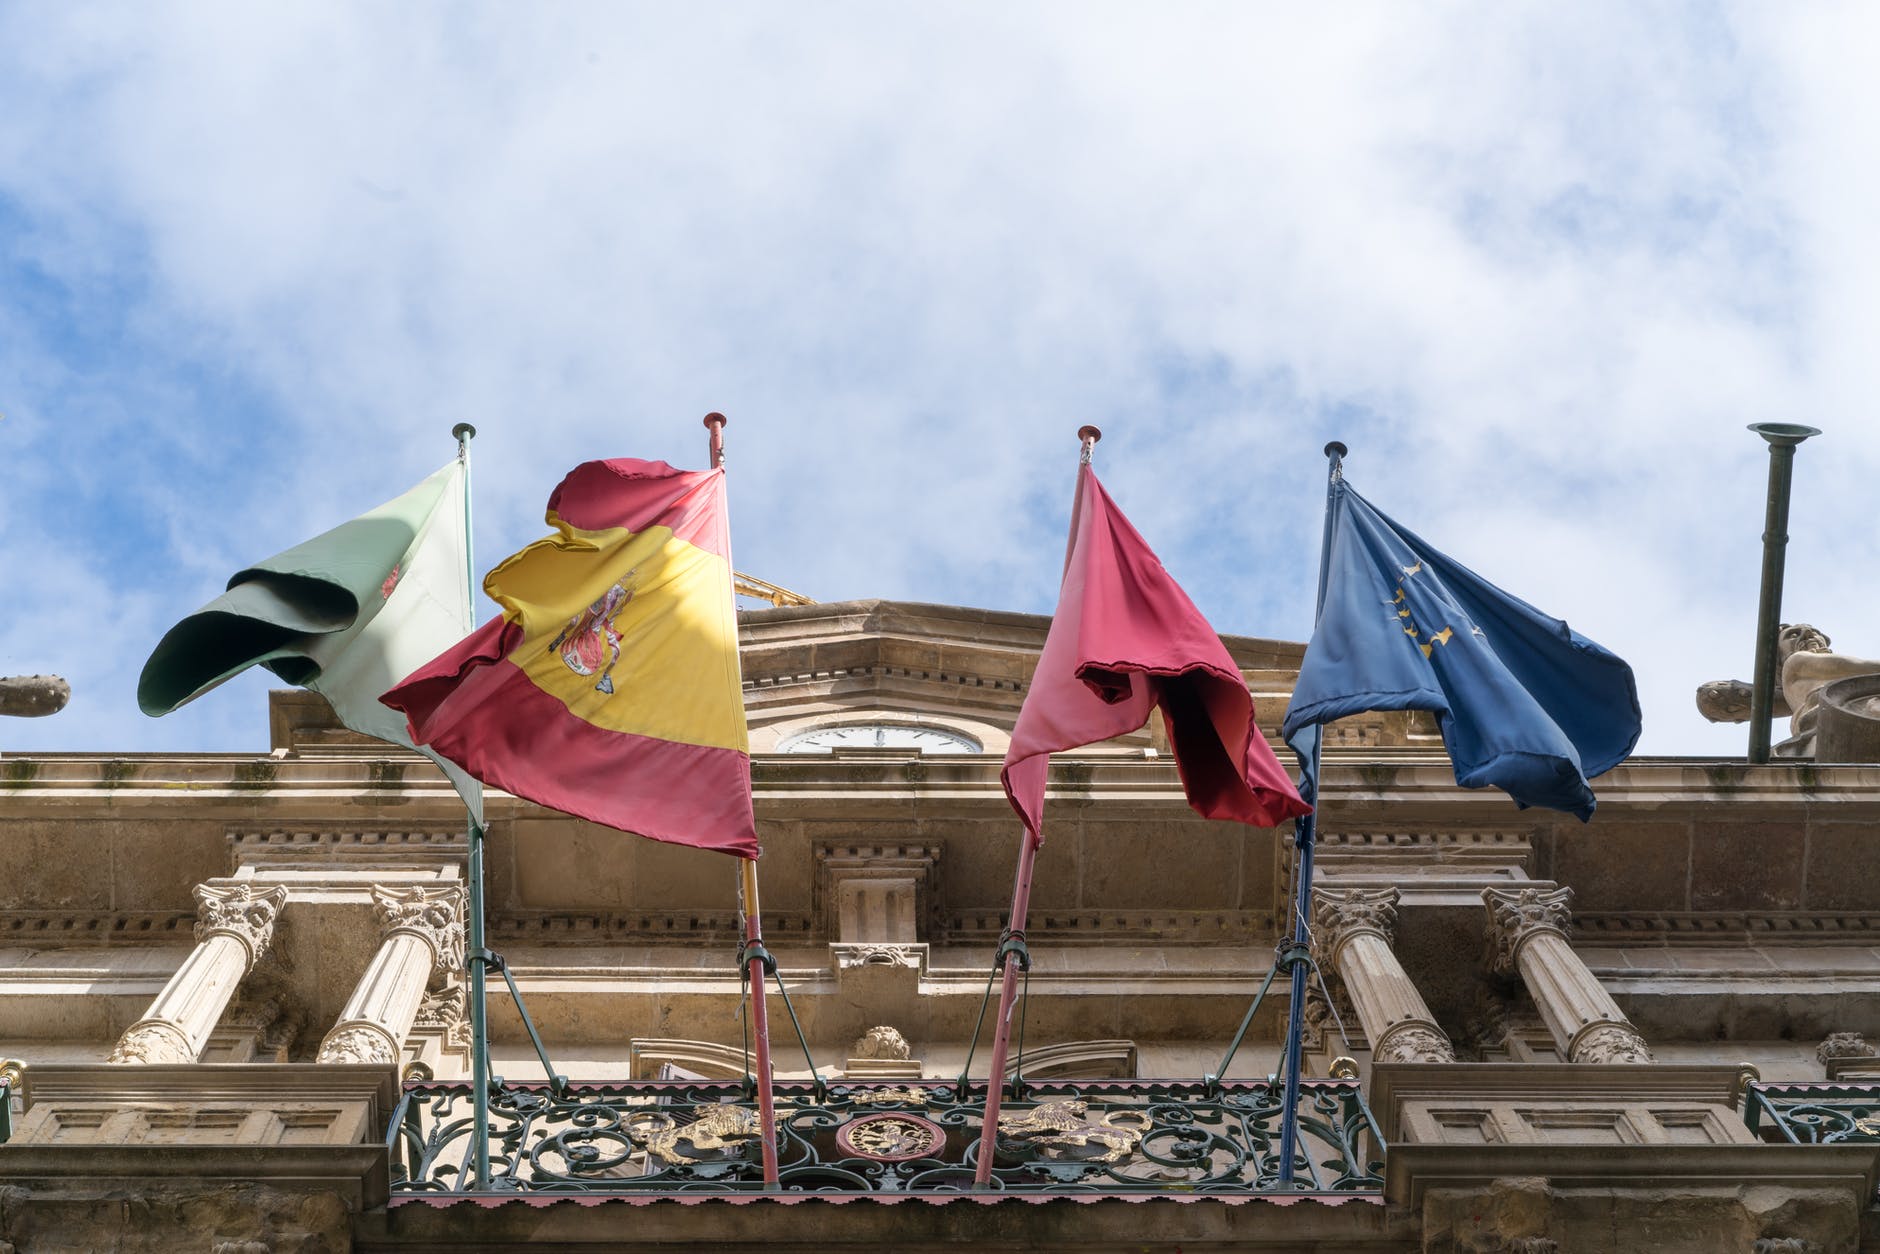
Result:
[[1021, 903], [755, 964]]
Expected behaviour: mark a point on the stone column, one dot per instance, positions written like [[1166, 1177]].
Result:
[[1527, 931], [423, 929], [1351, 933], [235, 925]]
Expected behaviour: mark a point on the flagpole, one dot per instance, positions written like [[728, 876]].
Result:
[[1012, 943], [757, 960], [473, 934], [1297, 955]]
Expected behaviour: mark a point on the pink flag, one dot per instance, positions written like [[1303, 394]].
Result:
[[1125, 640]]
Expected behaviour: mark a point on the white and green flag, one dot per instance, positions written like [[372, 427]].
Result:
[[347, 614]]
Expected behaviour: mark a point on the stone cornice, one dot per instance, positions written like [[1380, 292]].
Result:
[[1725, 927], [264, 793], [344, 845]]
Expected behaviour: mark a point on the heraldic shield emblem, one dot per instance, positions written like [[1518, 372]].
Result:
[[590, 643]]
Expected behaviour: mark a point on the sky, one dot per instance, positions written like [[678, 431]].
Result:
[[1537, 265]]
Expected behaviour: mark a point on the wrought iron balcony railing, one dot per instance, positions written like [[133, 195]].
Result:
[[1101, 1137], [1828, 1113]]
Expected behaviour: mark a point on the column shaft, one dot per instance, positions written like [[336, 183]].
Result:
[[426, 930], [234, 930], [1527, 931], [1351, 930]]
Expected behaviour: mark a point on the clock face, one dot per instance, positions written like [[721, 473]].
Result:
[[879, 736]]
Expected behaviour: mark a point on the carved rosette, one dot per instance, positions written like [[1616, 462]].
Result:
[[1609, 1042], [359, 1042], [153, 1041], [239, 911], [1517, 915], [1413, 1042], [1338, 916], [433, 915]]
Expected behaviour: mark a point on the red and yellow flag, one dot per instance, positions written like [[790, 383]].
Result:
[[610, 687]]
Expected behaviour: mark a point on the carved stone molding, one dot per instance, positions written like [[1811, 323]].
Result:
[[433, 915], [1517, 915], [1844, 1045], [360, 1041], [239, 911], [849, 956], [333, 848], [1338, 916], [1609, 1042], [882, 1042], [448, 1010], [265, 1007], [41, 927], [153, 1041], [1113, 926]]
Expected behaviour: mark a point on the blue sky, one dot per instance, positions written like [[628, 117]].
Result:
[[1537, 265]]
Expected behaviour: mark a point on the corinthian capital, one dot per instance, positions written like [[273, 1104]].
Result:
[[433, 915], [1339, 915], [240, 911], [1517, 915]]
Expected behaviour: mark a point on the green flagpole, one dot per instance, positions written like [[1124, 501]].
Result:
[[474, 939]]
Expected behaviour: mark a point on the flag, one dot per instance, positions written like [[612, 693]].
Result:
[[609, 688], [1126, 640], [1525, 703], [347, 614]]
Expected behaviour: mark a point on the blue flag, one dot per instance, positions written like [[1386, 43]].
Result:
[[1525, 703]]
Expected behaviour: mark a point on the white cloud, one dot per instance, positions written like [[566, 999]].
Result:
[[1537, 265]]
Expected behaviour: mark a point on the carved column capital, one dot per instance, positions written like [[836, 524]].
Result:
[[1339, 915], [240, 911], [1517, 915], [433, 915]]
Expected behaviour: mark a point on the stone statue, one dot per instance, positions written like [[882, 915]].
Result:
[[33, 696], [1807, 663]]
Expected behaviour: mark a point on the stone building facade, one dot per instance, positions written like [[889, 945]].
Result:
[[224, 973]]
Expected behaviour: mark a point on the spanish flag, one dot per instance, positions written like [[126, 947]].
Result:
[[609, 688]]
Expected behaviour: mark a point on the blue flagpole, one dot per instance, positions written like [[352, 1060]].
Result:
[[1296, 958]]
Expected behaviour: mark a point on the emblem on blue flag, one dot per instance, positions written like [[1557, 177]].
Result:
[[1525, 703]]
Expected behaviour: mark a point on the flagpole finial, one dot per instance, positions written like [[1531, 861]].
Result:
[[1336, 451], [1089, 435], [463, 431], [715, 423]]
